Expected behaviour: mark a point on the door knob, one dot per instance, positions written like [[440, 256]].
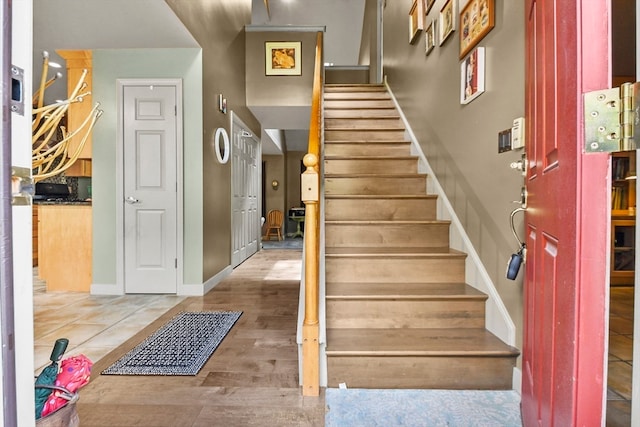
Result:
[[131, 200]]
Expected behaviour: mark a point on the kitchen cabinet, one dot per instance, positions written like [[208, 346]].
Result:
[[78, 61], [81, 168], [65, 246]]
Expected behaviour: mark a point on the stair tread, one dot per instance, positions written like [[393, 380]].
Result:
[[416, 342], [364, 141], [347, 290], [365, 157], [387, 221], [374, 175], [390, 252], [381, 196]]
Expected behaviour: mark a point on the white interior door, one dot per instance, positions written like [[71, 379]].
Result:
[[150, 188], [245, 174]]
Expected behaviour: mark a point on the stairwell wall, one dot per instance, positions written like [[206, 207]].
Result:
[[460, 141]]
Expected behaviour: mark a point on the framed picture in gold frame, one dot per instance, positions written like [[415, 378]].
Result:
[[283, 58], [477, 18], [447, 20], [428, 5], [416, 20], [430, 37]]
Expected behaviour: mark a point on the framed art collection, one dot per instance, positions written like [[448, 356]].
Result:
[[447, 20], [477, 18], [283, 58]]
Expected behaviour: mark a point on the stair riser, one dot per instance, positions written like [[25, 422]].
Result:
[[360, 113], [456, 373], [377, 149], [380, 209], [405, 314], [368, 95], [394, 270], [410, 235], [344, 166], [377, 123], [358, 103], [363, 135], [376, 185]]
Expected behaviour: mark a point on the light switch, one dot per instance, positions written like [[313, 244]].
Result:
[[517, 133]]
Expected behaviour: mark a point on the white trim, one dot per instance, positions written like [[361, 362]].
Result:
[[497, 318], [120, 84], [516, 383]]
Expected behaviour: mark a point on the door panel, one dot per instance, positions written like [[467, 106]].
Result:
[[566, 218], [150, 229], [246, 180]]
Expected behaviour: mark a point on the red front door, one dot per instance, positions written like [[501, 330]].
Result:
[[567, 54]]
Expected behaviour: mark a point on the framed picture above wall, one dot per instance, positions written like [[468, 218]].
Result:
[[477, 18], [447, 20], [472, 76], [283, 58], [416, 20]]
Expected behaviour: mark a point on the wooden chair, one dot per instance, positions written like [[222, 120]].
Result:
[[274, 224]]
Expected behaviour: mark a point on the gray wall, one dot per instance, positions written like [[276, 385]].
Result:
[[218, 27], [460, 141], [108, 66]]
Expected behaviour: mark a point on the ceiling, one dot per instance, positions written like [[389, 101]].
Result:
[[115, 24]]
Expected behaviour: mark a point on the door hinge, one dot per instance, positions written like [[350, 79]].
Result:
[[610, 119]]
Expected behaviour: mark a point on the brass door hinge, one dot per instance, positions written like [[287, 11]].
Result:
[[610, 119]]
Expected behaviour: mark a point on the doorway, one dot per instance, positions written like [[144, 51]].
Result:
[[245, 201], [620, 404], [149, 187]]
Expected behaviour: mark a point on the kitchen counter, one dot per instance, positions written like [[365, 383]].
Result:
[[65, 245], [62, 202]]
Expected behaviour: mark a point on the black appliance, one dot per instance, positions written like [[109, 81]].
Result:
[[296, 212], [51, 191]]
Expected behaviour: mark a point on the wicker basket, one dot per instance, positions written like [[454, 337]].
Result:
[[65, 416]]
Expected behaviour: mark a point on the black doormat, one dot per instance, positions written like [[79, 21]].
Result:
[[180, 347]]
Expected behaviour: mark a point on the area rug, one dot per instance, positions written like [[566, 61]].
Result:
[[418, 408], [180, 347]]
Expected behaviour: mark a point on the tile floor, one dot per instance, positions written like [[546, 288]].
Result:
[[620, 356], [94, 324]]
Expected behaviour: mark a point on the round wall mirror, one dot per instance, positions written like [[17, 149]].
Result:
[[221, 145]]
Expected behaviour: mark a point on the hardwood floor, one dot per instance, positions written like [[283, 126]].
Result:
[[620, 356], [251, 379]]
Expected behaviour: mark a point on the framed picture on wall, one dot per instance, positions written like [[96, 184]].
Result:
[[283, 58], [476, 20], [472, 76], [430, 37], [447, 20], [416, 20], [428, 5]]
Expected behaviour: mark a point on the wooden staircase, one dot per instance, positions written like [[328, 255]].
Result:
[[399, 314]]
